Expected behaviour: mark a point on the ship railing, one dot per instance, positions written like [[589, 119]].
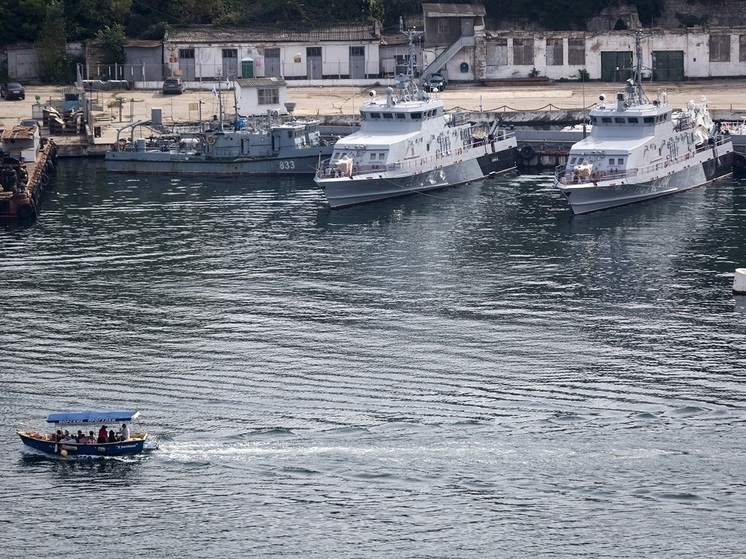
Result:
[[329, 169], [565, 175]]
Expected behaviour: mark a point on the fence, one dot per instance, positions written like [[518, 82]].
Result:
[[131, 74]]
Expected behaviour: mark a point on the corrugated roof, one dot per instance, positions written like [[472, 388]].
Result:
[[19, 133], [453, 10], [141, 43], [261, 82], [207, 34]]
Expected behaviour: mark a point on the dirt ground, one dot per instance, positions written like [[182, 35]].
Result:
[[340, 101]]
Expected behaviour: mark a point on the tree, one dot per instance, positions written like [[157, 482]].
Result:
[[21, 20], [51, 47], [111, 42], [87, 17]]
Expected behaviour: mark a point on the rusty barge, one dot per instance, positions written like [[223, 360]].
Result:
[[27, 163]]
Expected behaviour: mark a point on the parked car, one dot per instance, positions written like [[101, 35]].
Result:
[[12, 90], [173, 85], [435, 82]]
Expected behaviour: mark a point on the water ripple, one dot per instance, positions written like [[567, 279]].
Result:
[[475, 373]]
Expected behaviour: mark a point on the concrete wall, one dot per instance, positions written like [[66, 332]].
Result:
[[208, 59], [694, 43]]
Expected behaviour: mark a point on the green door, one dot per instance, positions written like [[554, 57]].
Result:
[[616, 66], [668, 65], [247, 68]]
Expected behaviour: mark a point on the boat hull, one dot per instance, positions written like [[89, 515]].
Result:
[[373, 187], [590, 197], [123, 448], [168, 163]]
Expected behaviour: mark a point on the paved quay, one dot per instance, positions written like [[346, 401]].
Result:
[[725, 96]]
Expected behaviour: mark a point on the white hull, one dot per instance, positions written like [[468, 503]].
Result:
[[371, 188], [602, 195], [375, 186]]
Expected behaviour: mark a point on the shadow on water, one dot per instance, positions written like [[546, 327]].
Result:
[[395, 210], [17, 225], [120, 471]]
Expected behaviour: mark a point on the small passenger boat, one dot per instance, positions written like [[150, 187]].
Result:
[[56, 443]]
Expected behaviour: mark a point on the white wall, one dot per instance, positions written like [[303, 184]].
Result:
[[247, 102], [693, 43]]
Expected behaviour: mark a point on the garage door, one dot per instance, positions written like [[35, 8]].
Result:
[[616, 66], [668, 65]]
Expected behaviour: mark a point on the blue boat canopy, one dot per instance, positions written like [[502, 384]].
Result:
[[92, 416]]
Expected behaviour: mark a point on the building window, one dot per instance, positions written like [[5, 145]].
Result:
[[742, 48], [719, 48], [576, 52], [230, 53], [442, 26], [268, 96], [523, 52], [555, 52], [186, 53], [497, 53]]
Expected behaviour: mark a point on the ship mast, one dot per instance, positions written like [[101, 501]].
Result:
[[635, 93], [410, 86]]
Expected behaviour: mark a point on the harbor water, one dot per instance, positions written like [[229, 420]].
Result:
[[472, 373]]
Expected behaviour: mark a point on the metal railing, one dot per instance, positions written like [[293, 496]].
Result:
[[568, 176]]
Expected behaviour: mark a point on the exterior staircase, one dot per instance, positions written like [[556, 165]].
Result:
[[440, 60]]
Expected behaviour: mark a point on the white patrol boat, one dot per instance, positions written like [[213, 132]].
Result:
[[408, 143], [638, 150]]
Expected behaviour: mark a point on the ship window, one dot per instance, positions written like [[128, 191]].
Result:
[[619, 120], [375, 115], [416, 116], [387, 115], [572, 161], [648, 120], [401, 115], [606, 119], [593, 120], [633, 120]]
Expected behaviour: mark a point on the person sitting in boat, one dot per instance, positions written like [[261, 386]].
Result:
[[102, 434], [80, 437], [124, 433], [69, 439], [91, 438], [58, 435], [112, 436]]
